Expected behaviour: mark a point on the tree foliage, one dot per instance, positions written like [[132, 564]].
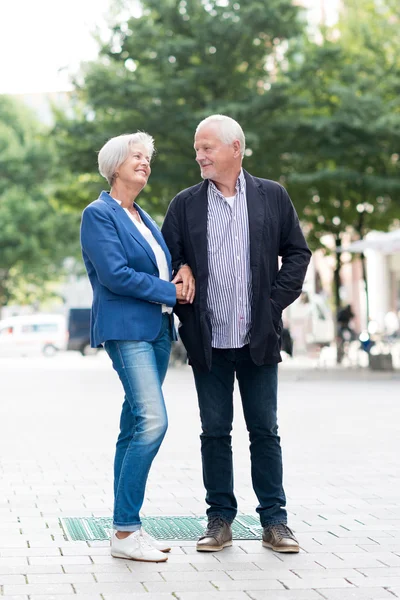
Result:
[[321, 112], [337, 130], [163, 73], [35, 235], [322, 118]]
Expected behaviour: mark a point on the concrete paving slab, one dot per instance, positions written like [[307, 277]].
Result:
[[341, 484]]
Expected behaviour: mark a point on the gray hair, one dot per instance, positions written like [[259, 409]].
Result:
[[228, 130], [115, 152]]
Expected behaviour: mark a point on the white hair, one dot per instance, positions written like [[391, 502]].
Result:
[[228, 130], [115, 152]]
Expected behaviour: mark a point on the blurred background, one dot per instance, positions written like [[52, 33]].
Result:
[[315, 85]]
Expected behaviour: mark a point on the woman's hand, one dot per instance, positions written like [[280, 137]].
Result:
[[185, 277]]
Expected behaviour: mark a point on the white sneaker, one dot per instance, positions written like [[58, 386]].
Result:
[[136, 547], [158, 544]]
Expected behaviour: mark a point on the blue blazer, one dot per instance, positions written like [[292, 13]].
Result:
[[123, 272]]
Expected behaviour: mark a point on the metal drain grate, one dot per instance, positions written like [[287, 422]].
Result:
[[245, 527]]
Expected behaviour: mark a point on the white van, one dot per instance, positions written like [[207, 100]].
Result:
[[31, 335]]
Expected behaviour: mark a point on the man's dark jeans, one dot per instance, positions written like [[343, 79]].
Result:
[[258, 390]]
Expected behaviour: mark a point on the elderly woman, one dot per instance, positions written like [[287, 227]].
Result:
[[129, 267]]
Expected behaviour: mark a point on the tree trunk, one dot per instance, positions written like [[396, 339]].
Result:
[[3, 289], [336, 285], [364, 274], [360, 231]]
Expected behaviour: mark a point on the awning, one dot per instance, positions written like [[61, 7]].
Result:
[[387, 243]]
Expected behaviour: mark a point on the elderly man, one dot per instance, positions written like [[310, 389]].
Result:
[[229, 231]]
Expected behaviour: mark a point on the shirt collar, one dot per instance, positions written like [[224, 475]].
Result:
[[119, 201], [239, 186]]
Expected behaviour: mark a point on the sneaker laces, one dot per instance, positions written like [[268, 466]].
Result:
[[281, 530], [146, 535], [144, 540], [214, 526]]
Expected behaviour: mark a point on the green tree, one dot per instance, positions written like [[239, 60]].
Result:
[[35, 235], [164, 72], [321, 114], [336, 127]]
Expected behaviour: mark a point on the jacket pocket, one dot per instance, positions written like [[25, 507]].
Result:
[[276, 315]]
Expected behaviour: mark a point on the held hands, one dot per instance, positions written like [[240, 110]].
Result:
[[180, 298], [185, 285]]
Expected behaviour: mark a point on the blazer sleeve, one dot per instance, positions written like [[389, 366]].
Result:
[[173, 235], [102, 245], [295, 256]]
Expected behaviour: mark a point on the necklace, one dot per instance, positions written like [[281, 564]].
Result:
[[131, 209], [135, 213]]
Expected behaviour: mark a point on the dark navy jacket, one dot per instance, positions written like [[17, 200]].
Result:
[[274, 232]]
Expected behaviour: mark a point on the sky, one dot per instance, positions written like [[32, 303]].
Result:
[[43, 41]]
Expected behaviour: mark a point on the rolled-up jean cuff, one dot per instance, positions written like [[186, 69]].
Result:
[[135, 527], [225, 518], [274, 522]]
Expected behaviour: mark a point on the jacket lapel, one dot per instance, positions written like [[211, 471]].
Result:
[[129, 226], [197, 226], [256, 213], [148, 221]]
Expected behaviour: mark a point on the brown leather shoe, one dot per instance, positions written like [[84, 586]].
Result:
[[217, 536], [280, 538]]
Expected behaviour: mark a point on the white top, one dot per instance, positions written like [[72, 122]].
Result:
[[155, 246], [230, 200]]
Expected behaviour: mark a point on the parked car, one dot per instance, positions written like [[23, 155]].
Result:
[[79, 331], [29, 335]]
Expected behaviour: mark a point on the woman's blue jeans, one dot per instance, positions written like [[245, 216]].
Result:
[[258, 389], [141, 367]]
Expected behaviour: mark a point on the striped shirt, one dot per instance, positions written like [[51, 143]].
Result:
[[229, 292]]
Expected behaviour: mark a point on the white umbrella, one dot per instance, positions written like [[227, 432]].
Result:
[[387, 243]]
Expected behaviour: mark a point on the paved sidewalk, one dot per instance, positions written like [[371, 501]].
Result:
[[340, 436]]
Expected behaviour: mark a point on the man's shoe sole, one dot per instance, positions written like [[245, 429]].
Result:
[[214, 548], [288, 550], [116, 555]]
